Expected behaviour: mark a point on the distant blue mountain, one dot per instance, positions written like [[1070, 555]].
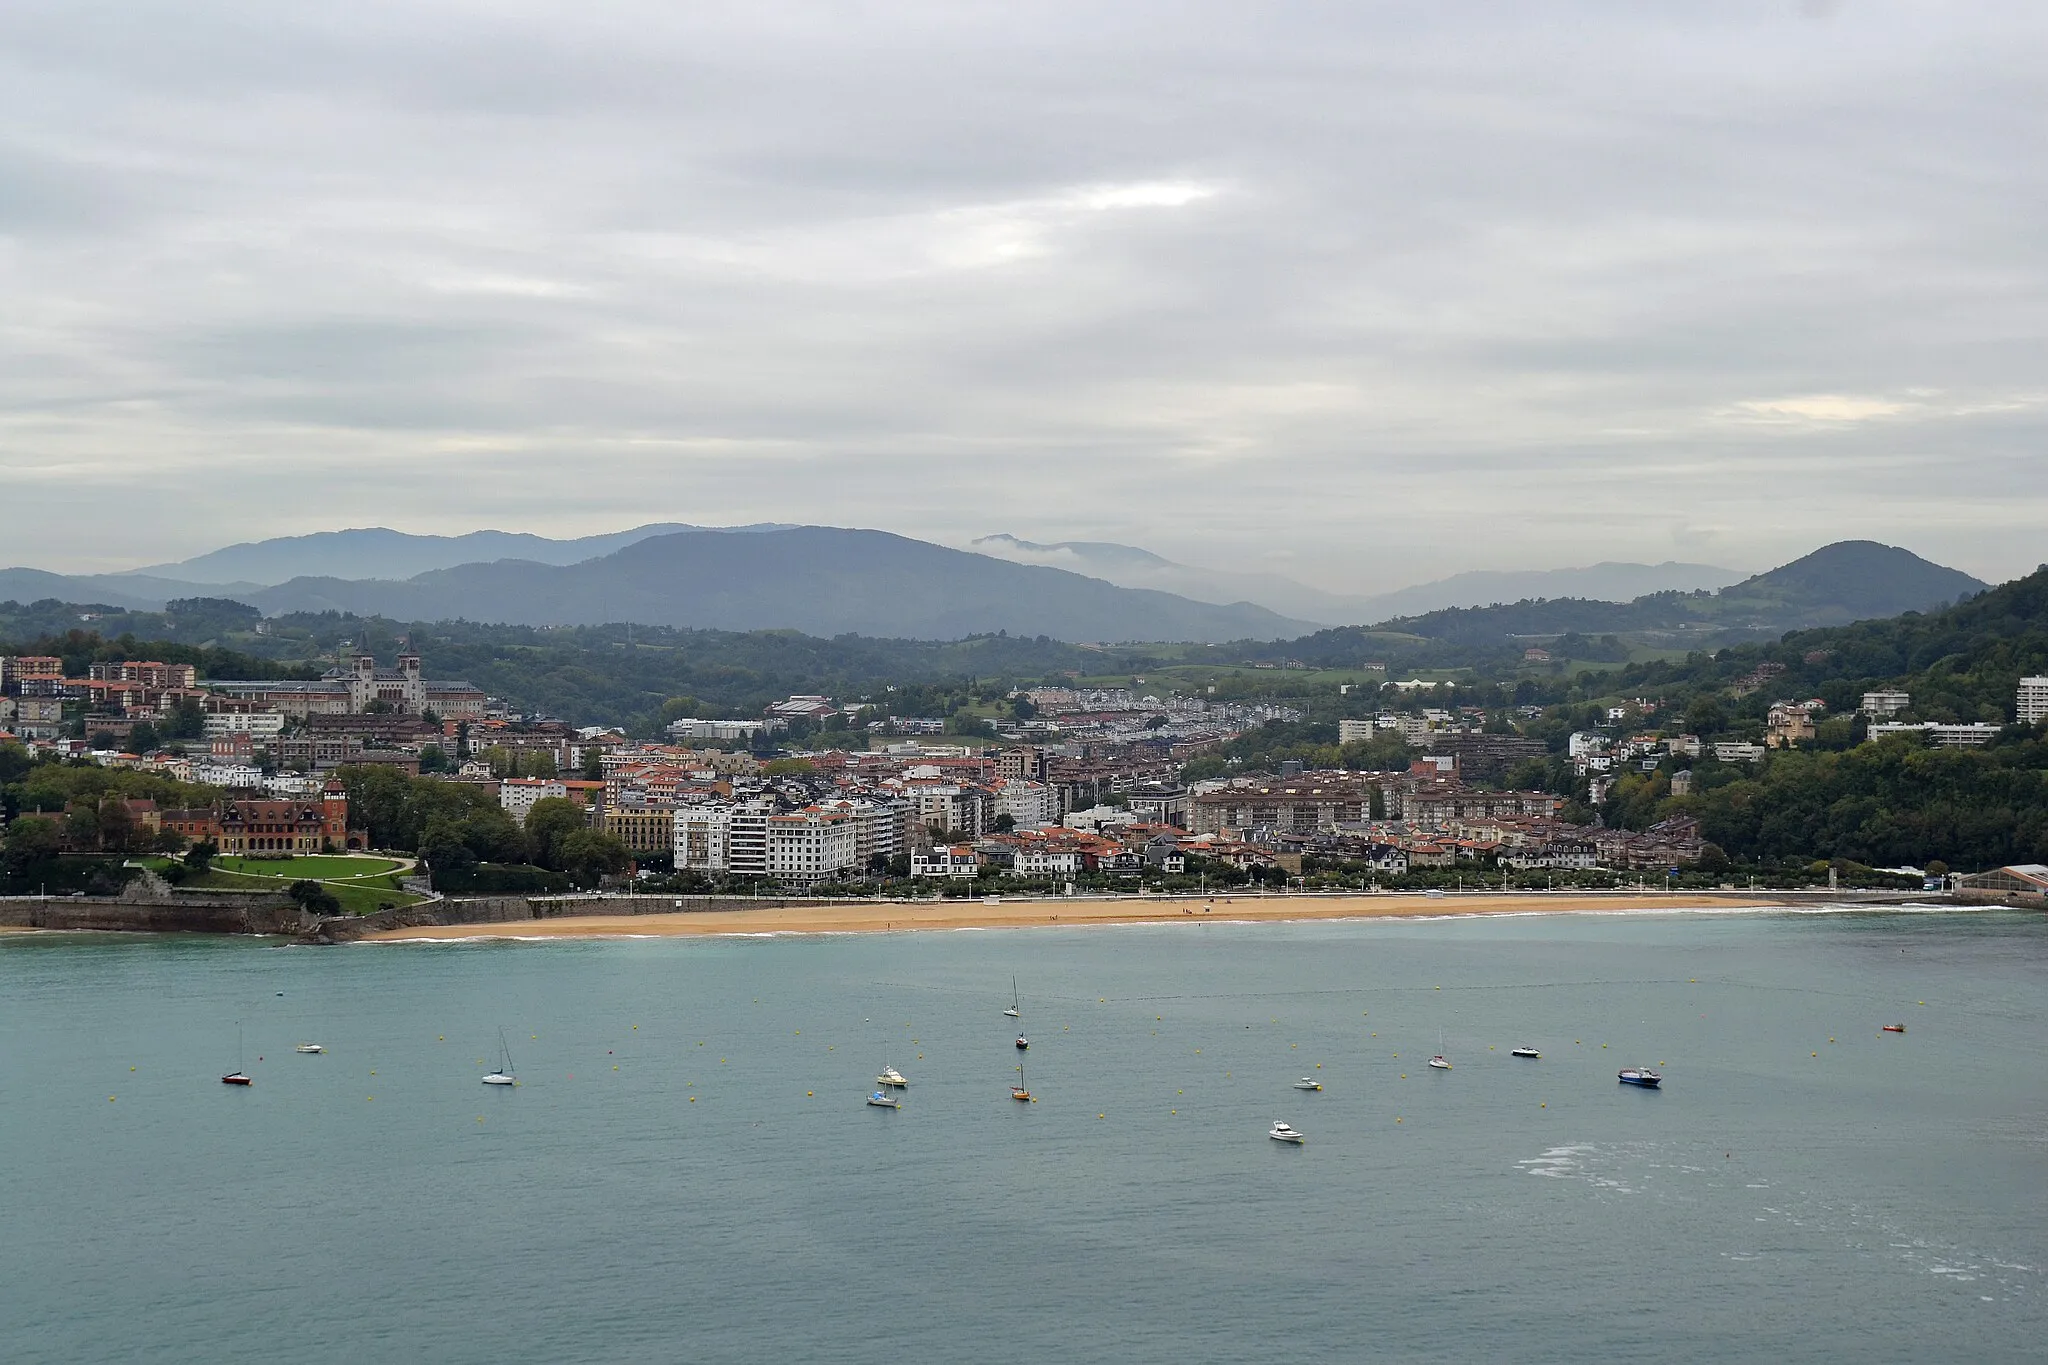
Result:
[[376, 552]]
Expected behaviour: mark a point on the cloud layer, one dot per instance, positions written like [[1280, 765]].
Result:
[[1368, 294]]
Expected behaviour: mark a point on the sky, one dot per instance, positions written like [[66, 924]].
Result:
[[1364, 294]]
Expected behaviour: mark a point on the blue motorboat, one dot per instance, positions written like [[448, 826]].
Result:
[[1642, 1076]]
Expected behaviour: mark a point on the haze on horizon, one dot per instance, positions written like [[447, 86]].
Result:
[[1364, 295]]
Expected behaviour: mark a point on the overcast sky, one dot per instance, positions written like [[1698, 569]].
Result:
[[1361, 293]]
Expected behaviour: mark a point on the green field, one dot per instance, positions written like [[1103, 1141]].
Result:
[[361, 884]]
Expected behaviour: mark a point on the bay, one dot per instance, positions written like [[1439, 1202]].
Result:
[[688, 1172]]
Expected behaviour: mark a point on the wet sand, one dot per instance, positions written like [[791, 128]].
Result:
[[898, 916]]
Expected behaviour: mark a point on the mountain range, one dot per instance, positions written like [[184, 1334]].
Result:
[[1131, 567], [829, 581]]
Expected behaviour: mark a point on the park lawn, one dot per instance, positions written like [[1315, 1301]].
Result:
[[319, 867]]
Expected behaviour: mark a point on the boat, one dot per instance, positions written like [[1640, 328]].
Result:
[[1894, 1028], [504, 1075], [238, 1076], [1528, 1052], [1283, 1132], [882, 1099], [309, 1048], [1017, 1091], [1016, 1005], [1022, 1042], [1308, 1083], [1438, 1061], [1640, 1075], [892, 1077]]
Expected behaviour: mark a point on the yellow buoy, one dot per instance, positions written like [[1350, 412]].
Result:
[[808, 1095], [131, 1068], [693, 1099], [110, 1099]]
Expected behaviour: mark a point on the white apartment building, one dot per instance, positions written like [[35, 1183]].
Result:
[[1356, 731], [810, 845], [262, 724], [518, 794], [746, 838], [2033, 700], [701, 835], [965, 810], [1030, 805], [1885, 702], [880, 827], [1941, 736], [1048, 862]]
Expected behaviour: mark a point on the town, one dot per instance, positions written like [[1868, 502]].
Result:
[[1069, 789]]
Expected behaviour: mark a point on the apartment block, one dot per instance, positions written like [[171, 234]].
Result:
[[810, 845], [2033, 700]]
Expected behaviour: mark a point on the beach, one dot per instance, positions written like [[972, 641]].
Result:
[[856, 917]]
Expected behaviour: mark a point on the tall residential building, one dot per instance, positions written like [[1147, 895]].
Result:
[[1885, 702], [746, 838], [1355, 731], [701, 834], [518, 794], [2033, 700], [810, 845]]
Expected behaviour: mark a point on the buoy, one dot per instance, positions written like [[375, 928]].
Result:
[[1102, 1116], [131, 1068], [615, 1066], [372, 1073], [1397, 1120], [442, 1038], [808, 1095], [1543, 1106], [636, 1028], [479, 1118], [110, 1099], [693, 1099]]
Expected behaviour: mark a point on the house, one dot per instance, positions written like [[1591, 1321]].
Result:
[[956, 861]]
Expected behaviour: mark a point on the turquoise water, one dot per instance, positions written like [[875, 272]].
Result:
[[688, 1171]]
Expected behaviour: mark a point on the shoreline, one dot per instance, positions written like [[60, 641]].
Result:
[[908, 916]]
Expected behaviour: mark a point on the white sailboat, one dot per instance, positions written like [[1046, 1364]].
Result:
[[504, 1075], [1438, 1061], [1016, 1003]]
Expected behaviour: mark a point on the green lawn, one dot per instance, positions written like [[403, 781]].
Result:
[[320, 867], [361, 884]]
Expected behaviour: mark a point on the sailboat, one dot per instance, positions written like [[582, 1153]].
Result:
[[1016, 1003], [1017, 1091], [1438, 1061], [238, 1076], [504, 1075]]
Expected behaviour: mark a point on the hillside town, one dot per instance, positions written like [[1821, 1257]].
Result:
[[1075, 787]]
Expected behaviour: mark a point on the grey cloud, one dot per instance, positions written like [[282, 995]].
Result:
[[1619, 281]]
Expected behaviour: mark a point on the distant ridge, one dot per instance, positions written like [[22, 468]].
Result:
[[378, 552], [821, 580], [1132, 567]]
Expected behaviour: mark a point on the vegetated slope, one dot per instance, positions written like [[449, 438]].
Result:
[[378, 552], [819, 580]]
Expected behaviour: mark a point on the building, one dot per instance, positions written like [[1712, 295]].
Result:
[[727, 730], [700, 834], [518, 795], [1941, 736], [1885, 702], [642, 829], [1789, 723], [353, 688], [146, 673], [1304, 804], [956, 861], [262, 724], [810, 845], [267, 826], [1736, 751], [2022, 881], [746, 839], [2033, 701], [18, 671], [1030, 805], [1356, 731]]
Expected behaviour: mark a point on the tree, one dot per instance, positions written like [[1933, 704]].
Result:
[[314, 898], [32, 839], [1005, 823], [1023, 708], [142, 738], [433, 759], [588, 856], [551, 820], [201, 854]]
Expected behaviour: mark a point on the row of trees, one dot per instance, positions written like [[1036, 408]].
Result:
[[456, 827]]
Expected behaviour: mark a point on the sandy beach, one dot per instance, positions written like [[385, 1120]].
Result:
[[897, 916]]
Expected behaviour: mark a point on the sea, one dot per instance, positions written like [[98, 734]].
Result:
[[688, 1170]]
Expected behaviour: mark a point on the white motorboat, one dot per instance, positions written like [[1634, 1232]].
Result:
[[882, 1099], [1528, 1052], [892, 1077], [1308, 1083], [504, 1075], [1022, 1042], [1283, 1132], [309, 1048]]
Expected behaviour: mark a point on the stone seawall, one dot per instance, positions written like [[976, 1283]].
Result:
[[155, 915]]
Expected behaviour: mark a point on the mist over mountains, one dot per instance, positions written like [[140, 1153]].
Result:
[[1131, 567]]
